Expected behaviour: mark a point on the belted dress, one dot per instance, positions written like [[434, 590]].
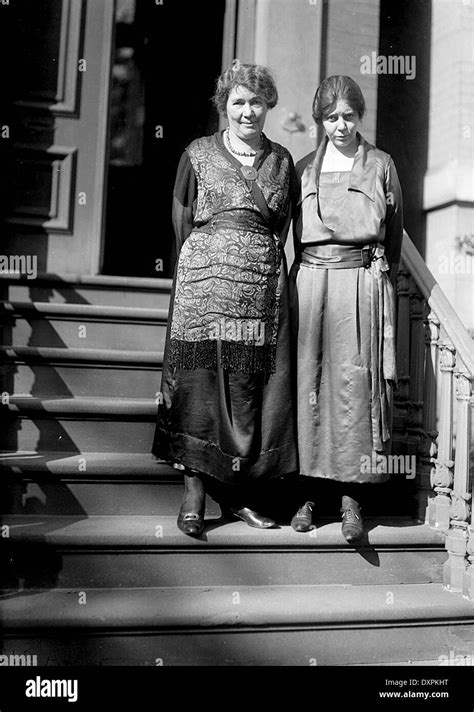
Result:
[[227, 408], [348, 232]]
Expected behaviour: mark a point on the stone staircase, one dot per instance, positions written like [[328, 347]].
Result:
[[93, 569], [68, 363]]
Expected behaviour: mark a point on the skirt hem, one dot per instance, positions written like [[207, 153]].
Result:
[[207, 458], [353, 480]]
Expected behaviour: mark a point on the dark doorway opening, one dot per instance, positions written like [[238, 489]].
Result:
[[402, 124], [166, 60]]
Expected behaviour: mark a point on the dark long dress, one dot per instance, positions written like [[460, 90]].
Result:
[[227, 405]]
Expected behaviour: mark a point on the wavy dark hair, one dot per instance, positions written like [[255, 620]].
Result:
[[334, 89], [254, 77]]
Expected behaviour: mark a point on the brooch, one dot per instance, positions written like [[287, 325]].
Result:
[[248, 172]]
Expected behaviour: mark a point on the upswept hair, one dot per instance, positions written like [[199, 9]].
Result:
[[254, 77], [334, 89]]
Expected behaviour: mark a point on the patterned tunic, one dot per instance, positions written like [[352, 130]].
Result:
[[227, 400]]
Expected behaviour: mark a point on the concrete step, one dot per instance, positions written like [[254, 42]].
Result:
[[68, 477], [82, 326], [88, 484], [136, 569], [78, 424], [87, 466], [139, 532], [87, 289], [245, 625], [127, 551], [80, 372], [50, 497]]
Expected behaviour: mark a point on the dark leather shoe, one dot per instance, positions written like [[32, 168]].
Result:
[[191, 514], [303, 519], [253, 519], [352, 524], [190, 523]]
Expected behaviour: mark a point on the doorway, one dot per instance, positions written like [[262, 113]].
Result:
[[167, 58]]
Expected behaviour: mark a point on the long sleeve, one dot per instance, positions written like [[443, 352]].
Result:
[[296, 210], [184, 196], [287, 215], [393, 217]]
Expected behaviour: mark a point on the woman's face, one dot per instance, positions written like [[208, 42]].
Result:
[[341, 125], [246, 113]]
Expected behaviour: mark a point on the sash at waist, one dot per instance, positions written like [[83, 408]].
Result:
[[338, 256], [241, 220]]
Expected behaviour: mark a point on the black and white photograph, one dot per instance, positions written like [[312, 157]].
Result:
[[236, 354]]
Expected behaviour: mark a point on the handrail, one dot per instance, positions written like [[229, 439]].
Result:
[[437, 300]]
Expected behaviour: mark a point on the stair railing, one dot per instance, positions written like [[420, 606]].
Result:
[[433, 411]]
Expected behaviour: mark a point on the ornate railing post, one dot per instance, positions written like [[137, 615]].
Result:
[[468, 583], [442, 477], [457, 540], [428, 447], [414, 422], [417, 366], [456, 546]]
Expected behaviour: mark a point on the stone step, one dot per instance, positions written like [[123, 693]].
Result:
[[147, 568], [55, 482], [82, 326], [87, 289], [252, 626], [80, 372], [37, 407], [130, 493], [48, 496], [87, 466], [127, 551], [140, 531], [111, 435], [88, 483], [78, 424]]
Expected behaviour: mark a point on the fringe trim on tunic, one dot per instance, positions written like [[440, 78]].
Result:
[[235, 357]]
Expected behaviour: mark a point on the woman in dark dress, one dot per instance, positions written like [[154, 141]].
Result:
[[348, 238], [226, 417]]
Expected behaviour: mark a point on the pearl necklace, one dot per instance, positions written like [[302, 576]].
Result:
[[240, 153]]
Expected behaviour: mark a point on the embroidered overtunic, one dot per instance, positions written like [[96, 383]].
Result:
[[228, 269]]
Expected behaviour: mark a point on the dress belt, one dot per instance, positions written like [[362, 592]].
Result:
[[238, 219], [340, 256]]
